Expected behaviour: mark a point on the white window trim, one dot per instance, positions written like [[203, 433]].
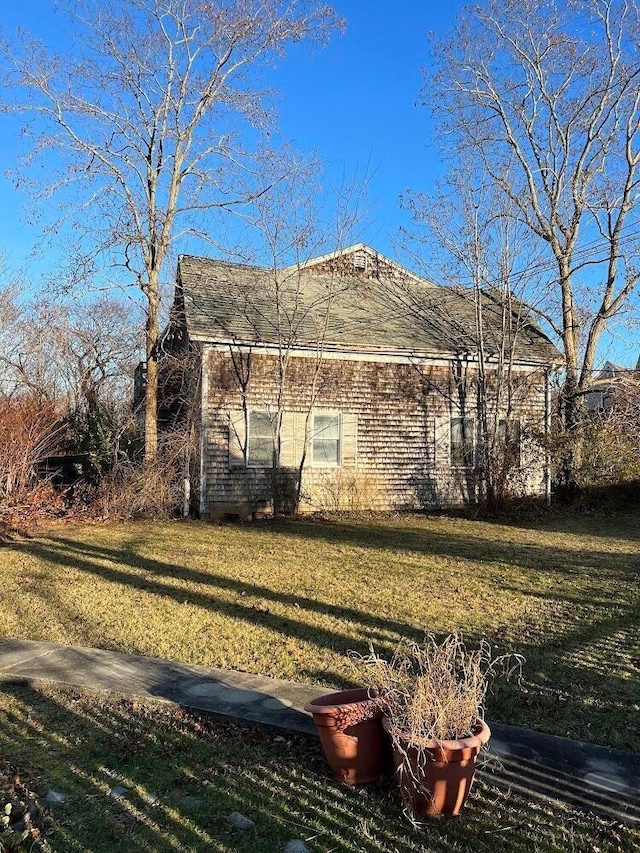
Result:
[[333, 414]]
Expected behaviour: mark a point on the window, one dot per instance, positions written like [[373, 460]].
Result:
[[260, 439], [509, 441], [462, 442], [326, 440]]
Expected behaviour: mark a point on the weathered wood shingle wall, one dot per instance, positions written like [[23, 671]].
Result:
[[398, 411]]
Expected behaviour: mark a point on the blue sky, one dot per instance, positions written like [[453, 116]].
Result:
[[354, 102], [357, 101]]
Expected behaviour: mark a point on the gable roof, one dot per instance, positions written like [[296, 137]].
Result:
[[381, 307], [346, 257]]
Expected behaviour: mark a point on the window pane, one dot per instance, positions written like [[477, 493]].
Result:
[[326, 426], [260, 452], [462, 442], [260, 445], [326, 440], [325, 452], [260, 424]]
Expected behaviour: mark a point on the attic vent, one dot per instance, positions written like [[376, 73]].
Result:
[[360, 261]]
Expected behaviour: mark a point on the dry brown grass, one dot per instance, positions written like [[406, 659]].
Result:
[[434, 690], [152, 490], [290, 599]]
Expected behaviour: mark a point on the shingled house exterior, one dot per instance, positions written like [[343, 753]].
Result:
[[354, 376]]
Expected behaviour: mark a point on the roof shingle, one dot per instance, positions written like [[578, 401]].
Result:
[[345, 310]]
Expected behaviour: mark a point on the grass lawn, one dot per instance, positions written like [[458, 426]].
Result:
[[83, 745], [289, 599]]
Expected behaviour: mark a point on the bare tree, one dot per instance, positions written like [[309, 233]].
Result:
[[74, 356], [97, 342], [144, 113], [291, 229], [28, 361], [546, 97], [95, 345], [466, 238]]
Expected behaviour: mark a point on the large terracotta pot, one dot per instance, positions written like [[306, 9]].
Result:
[[436, 779], [350, 728]]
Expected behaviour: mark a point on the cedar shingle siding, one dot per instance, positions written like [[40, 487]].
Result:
[[398, 420]]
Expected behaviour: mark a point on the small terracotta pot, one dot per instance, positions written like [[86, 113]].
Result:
[[436, 779], [350, 728]]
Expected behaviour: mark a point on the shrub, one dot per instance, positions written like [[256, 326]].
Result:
[[344, 489], [155, 489], [30, 430]]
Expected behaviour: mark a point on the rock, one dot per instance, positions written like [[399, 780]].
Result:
[[296, 846], [118, 792], [55, 797], [239, 821], [191, 804]]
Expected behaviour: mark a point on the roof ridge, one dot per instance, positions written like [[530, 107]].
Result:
[[304, 265], [234, 264]]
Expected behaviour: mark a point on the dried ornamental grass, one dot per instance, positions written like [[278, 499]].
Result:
[[434, 691], [431, 693]]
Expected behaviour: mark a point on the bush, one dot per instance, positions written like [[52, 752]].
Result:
[[610, 453], [30, 431], [154, 489], [604, 451]]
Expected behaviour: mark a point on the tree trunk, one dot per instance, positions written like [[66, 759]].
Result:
[[151, 389], [572, 417], [571, 410]]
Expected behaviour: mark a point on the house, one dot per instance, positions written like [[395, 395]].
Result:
[[612, 385], [348, 382]]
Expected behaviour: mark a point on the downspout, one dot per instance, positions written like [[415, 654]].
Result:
[[204, 425]]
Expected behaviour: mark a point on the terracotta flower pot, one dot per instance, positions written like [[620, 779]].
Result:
[[436, 779], [350, 728]]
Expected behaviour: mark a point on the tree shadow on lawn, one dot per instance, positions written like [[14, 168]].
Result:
[[584, 698], [83, 753], [486, 555], [618, 524], [378, 629], [462, 545], [583, 684], [199, 770], [70, 554], [196, 769], [615, 565]]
